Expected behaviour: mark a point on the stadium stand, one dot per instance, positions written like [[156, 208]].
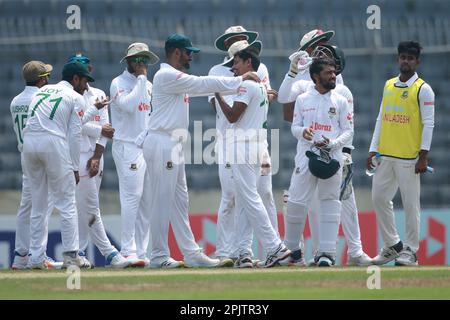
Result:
[[37, 30]]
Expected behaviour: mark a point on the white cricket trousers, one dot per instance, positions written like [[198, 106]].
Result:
[[131, 167], [227, 237], [89, 219], [48, 165], [165, 198], [301, 193], [22, 245], [390, 175], [349, 222], [226, 231], [250, 209]]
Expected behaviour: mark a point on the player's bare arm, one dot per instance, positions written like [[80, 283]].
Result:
[[213, 104], [93, 163], [231, 113], [108, 131], [272, 94], [369, 160], [288, 111], [422, 162]]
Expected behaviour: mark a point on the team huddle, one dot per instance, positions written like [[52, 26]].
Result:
[[62, 130]]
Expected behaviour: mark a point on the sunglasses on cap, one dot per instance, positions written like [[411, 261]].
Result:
[[47, 74], [144, 60]]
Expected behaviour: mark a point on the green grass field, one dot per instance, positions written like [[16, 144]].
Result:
[[276, 283]]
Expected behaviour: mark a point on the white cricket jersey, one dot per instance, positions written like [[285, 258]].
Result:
[[53, 109], [219, 70], [291, 88], [253, 121], [19, 112], [92, 130], [131, 98], [171, 89], [328, 115]]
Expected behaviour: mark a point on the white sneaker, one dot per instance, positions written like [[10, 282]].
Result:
[[311, 263], [388, 254], [200, 260], [42, 265], [74, 259], [407, 258], [360, 261], [166, 264], [52, 264], [324, 260], [19, 262], [117, 261], [135, 262], [280, 253], [243, 262], [294, 260]]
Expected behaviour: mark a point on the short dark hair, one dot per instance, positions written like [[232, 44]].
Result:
[[409, 47], [248, 53], [32, 83], [169, 51], [318, 65]]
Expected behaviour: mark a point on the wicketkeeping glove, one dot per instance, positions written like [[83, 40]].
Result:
[[300, 61]]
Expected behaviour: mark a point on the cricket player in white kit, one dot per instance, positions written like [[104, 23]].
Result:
[[289, 90], [226, 244], [35, 74], [165, 193], [321, 120], [246, 144], [131, 95], [402, 136], [51, 154], [94, 135]]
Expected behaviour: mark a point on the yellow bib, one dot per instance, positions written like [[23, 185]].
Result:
[[401, 121]]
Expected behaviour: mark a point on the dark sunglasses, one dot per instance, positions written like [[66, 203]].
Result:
[[143, 60], [188, 52]]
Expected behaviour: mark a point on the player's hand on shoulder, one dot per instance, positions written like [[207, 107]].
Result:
[[108, 131], [100, 104], [250, 76]]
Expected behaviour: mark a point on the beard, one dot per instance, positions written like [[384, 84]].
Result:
[[80, 89], [328, 85]]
